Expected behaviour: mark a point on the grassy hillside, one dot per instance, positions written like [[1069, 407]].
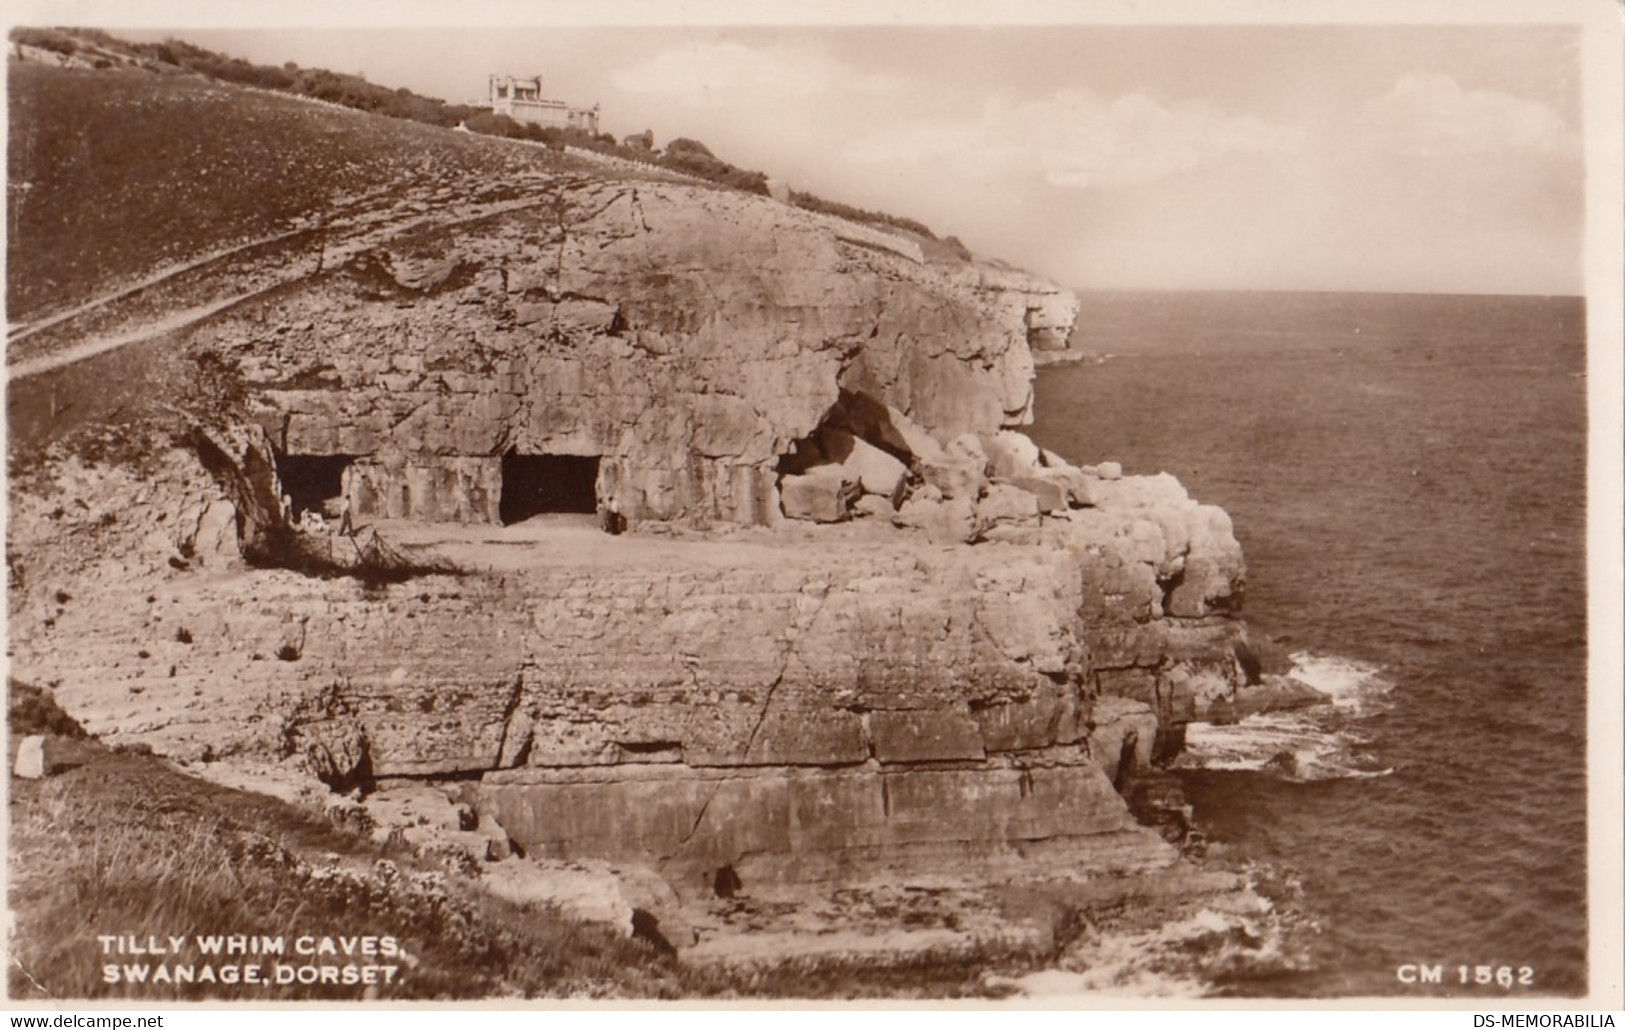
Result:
[[116, 174], [128, 167], [121, 843], [92, 116]]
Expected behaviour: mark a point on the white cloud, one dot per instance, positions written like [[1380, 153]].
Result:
[[1079, 139], [699, 73], [1430, 113]]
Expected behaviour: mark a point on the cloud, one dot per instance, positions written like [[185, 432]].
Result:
[[1429, 113], [699, 73], [1078, 139]]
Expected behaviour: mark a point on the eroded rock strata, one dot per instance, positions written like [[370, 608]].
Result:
[[813, 702], [858, 628], [683, 339]]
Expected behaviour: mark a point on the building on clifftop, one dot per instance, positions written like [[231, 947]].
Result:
[[521, 99]]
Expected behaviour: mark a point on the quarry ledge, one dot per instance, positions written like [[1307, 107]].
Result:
[[556, 645], [633, 771], [796, 708]]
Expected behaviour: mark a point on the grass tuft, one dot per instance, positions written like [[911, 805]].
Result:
[[31, 709], [125, 845]]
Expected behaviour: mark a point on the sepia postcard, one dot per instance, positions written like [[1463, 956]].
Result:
[[1057, 505]]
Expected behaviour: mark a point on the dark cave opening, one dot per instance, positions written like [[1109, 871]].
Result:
[[854, 414], [543, 484], [313, 482]]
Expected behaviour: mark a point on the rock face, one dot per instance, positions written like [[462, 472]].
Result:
[[679, 339], [835, 703], [941, 664]]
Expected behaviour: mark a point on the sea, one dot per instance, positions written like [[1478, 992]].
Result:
[[1407, 477]]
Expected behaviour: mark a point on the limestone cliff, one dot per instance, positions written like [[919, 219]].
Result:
[[685, 337], [860, 628], [842, 702]]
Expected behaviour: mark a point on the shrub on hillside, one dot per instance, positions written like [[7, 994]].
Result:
[[694, 158], [45, 39], [31, 709], [683, 148], [367, 558], [488, 123], [857, 214]]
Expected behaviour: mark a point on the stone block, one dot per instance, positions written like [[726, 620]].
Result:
[[786, 736], [1129, 644], [966, 447], [951, 521], [925, 735], [1161, 491], [1006, 504], [1121, 734], [1052, 496], [903, 433], [1010, 454], [1051, 716], [872, 468], [1078, 484], [990, 804], [963, 477], [594, 891], [32, 763], [1214, 568], [874, 506], [889, 428], [530, 314], [215, 544]]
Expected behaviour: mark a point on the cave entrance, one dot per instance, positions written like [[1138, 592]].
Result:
[[547, 484], [314, 482], [855, 415]]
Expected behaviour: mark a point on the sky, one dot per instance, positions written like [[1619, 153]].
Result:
[[1293, 157]]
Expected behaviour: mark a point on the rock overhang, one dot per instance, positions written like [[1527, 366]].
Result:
[[686, 337]]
